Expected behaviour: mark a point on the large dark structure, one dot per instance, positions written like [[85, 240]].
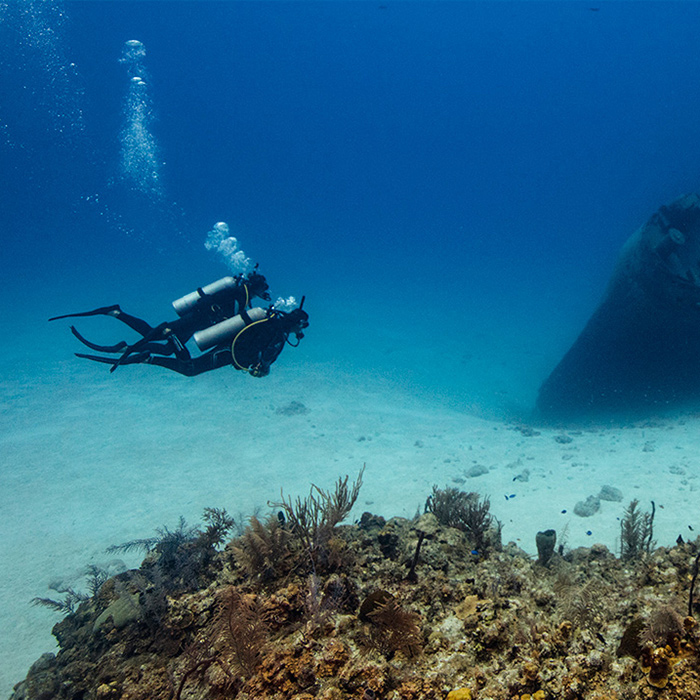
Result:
[[640, 351]]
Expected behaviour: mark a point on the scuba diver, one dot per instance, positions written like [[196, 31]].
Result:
[[220, 319]]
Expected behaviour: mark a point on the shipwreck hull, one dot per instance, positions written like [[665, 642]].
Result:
[[640, 351]]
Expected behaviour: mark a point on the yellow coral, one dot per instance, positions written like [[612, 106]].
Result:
[[661, 664], [467, 607], [459, 694]]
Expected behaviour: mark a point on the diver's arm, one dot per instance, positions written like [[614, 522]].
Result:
[[261, 368]]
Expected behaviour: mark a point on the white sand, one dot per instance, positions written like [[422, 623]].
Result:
[[91, 459]]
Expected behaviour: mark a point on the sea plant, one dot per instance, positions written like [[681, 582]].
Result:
[[636, 531], [467, 512], [664, 627], [582, 605], [448, 505], [166, 540], [96, 576], [263, 549], [311, 520], [693, 580], [69, 603], [323, 601], [181, 558], [394, 629], [247, 630]]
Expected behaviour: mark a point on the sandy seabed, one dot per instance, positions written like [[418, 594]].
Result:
[[91, 459]]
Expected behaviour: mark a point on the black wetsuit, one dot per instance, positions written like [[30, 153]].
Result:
[[253, 350]]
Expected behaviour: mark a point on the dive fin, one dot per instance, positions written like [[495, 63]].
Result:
[[132, 359], [102, 311], [96, 358], [121, 345]]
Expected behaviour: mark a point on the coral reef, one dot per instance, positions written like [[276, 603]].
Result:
[[300, 607]]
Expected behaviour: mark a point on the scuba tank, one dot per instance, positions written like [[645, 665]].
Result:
[[188, 302], [226, 330]]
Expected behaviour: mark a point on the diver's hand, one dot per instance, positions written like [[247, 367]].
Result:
[[259, 370]]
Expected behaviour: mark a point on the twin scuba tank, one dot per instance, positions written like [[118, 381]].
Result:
[[225, 330]]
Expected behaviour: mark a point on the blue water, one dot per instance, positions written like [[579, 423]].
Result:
[[452, 178], [448, 183]]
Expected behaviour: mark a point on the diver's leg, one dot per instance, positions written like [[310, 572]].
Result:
[[146, 345], [174, 364], [149, 343], [160, 348], [193, 366], [138, 324], [189, 368], [178, 348]]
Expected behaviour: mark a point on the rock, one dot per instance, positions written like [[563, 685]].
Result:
[[122, 610], [369, 521], [42, 680], [610, 493], [563, 439], [588, 507], [427, 523], [293, 408]]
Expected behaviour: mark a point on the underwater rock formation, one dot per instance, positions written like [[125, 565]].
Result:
[[468, 626], [640, 350]]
